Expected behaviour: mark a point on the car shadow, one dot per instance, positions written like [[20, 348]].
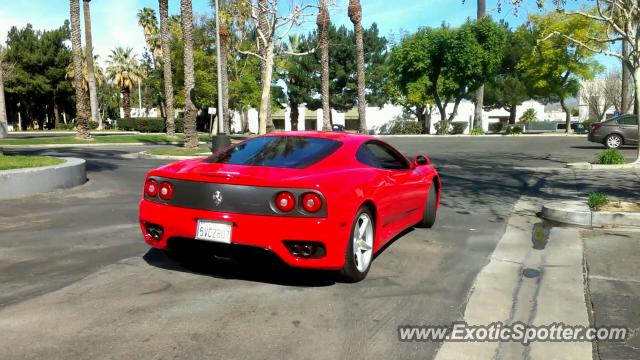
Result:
[[254, 265]]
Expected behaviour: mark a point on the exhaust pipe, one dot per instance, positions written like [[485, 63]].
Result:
[[154, 231]]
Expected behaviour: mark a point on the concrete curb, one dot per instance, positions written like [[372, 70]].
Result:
[[589, 166], [578, 213], [53, 146], [145, 155], [19, 183]]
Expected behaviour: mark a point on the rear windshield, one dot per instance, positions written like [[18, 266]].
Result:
[[278, 151]]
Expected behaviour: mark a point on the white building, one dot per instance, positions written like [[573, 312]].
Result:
[[377, 117]]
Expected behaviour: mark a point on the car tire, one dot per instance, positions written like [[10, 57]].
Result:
[[613, 141], [430, 209], [357, 267]]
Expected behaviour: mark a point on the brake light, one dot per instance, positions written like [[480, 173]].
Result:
[[151, 187], [595, 127], [311, 202], [285, 201], [166, 191]]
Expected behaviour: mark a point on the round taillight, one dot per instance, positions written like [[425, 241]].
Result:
[[311, 202], [151, 187], [285, 201], [165, 191]]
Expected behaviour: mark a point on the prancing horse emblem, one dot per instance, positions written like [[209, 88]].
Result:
[[217, 198]]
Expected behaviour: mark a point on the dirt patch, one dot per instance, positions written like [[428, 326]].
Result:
[[619, 206]]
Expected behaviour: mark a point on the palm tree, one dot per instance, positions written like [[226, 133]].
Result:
[[166, 68], [82, 112], [323, 22], [477, 117], [98, 74], [190, 131], [123, 69], [3, 109], [93, 92], [355, 14], [147, 19]]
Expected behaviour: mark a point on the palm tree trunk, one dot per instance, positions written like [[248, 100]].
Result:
[[190, 131], [355, 14], [224, 43], [477, 115], [323, 21], [82, 113], [93, 92], [166, 68], [126, 102], [3, 108]]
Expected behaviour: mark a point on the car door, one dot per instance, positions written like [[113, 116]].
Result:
[[402, 196], [629, 129]]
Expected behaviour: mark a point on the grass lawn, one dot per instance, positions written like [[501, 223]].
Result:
[[20, 161], [178, 151], [152, 139]]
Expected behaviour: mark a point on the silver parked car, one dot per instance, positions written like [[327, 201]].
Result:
[[615, 132]]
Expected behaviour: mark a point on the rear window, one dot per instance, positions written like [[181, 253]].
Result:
[[278, 151]]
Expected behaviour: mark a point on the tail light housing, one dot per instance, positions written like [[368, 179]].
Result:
[[165, 191], [285, 201], [595, 127], [311, 202], [151, 188]]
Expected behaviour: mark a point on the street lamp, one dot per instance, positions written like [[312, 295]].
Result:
[[221, 140]]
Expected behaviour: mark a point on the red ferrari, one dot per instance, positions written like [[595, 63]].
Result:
[[321, 200]]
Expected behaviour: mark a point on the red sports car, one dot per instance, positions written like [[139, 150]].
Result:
[[321, 200]]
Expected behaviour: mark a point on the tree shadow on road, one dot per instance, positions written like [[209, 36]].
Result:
[[254, 265]]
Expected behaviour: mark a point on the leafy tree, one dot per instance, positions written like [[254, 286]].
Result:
[[37, 83], [554, 69], [451, 62], [508, 90], [305, 71]]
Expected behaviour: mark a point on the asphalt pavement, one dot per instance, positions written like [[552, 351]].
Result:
[[77, 281]]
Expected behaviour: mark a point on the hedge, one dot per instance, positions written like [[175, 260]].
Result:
[[458, 127], [148, 125]]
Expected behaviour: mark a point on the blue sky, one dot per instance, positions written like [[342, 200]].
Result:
[[115, 22]]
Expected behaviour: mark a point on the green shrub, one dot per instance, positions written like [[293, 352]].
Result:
[[529, 116], [514, 130], [63, 126], [440, 127], [148, 125], [609, 157], [587, 123], [93, 125], [495, 127], [597, 200], [476, 131], [401, 126], [458, 127]]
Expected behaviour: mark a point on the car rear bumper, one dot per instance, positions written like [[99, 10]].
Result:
[[266, 232], [596, 137]]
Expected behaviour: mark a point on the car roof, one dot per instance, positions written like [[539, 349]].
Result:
[[344, 137]]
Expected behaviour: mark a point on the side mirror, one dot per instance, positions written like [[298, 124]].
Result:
[[421, 160]]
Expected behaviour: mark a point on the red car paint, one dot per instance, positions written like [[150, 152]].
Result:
[[397, 196]]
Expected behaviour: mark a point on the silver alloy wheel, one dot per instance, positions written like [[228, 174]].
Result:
[[363, 242], [614, 141]]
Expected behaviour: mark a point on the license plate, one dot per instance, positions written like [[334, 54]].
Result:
[[214, 231]]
